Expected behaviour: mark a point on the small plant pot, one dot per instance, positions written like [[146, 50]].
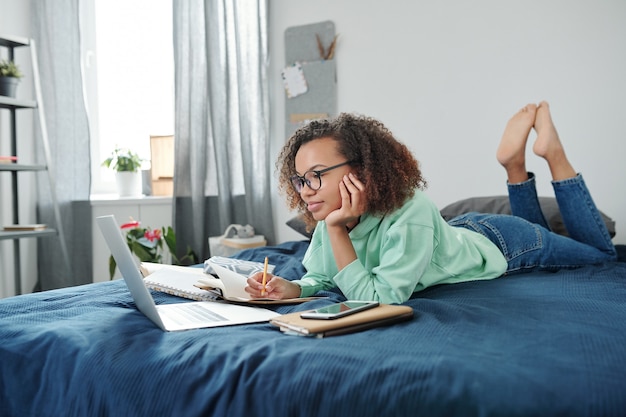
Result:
[[8, 86], [128, 183]]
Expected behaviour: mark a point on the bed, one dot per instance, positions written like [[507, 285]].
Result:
[[544, 343]]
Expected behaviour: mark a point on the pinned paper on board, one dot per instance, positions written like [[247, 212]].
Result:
[[306, 117], [294, 81]]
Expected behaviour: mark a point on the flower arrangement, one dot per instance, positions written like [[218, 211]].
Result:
[[123, 160], [147, 245]]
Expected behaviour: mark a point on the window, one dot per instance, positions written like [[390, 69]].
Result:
[[129, 78]]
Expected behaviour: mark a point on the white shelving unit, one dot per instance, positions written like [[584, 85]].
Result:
[[16, 169]]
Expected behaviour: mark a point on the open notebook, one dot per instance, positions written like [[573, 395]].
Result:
[[193, 283]]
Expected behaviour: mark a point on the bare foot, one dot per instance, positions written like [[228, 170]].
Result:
[[512, 149], [549, 146]]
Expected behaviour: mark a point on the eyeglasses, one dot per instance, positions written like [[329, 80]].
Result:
[[312, 178]]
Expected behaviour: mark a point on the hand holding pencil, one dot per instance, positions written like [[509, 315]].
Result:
[[265, 285]]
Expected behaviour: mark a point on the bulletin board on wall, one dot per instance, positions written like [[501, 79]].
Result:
[[310, 76]]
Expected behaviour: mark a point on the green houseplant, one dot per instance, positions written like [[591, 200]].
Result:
[[123, 160], [127, 167], [10, 75]]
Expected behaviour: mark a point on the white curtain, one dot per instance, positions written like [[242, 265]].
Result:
[[222, 167], [55, 27]]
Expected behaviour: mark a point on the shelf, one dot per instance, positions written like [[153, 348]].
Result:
[[22, 167], [27, 234], [13, 41], [14, 103]]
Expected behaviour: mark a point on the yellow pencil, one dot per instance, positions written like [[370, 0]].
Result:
[[264, 276]]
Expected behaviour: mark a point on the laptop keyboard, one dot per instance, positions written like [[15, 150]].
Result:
[[192, 313]]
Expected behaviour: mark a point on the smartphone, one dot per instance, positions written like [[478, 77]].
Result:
[[334, 311]]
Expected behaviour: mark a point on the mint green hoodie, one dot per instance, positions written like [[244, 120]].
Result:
[[403, 252]]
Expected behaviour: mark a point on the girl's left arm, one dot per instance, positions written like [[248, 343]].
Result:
[[353, 203], [403, 259]]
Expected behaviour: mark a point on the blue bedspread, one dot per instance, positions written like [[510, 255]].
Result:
[[534, 344]]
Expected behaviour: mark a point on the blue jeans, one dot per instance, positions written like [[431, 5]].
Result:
[[525, 238]]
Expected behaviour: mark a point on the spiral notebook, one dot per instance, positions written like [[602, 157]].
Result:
[[176, 280], [195, 284]]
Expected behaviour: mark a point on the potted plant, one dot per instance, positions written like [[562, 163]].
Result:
[[127, 167], [147, 245], [10, 76]]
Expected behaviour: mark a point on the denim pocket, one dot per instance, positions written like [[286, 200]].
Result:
[[513, 235]]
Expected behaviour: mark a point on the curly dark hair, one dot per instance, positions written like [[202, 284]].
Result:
[[387, 167]]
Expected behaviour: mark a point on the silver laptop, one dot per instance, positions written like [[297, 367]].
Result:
[[179, 316]]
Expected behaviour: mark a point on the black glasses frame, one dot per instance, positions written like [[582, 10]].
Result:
[[298, 181]]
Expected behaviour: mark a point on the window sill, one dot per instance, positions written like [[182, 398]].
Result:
[[114, 199]]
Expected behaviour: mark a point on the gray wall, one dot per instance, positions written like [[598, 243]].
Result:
[[445, 76]]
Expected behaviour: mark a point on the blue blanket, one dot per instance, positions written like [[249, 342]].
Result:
[[534, 344]]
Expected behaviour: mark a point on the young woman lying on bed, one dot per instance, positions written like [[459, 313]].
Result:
[[379, 237]]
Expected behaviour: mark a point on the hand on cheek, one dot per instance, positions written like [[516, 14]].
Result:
[[352, 207]]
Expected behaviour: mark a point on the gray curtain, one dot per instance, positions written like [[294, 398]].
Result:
[[222, 168], [55, 28]]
